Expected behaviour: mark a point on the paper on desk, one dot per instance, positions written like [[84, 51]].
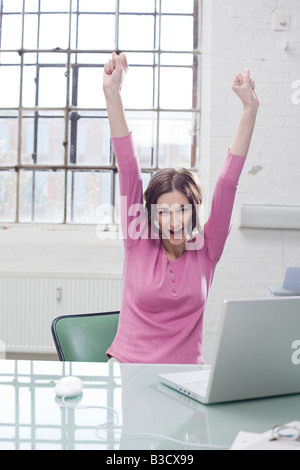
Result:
[[251, 441], [243, 439]]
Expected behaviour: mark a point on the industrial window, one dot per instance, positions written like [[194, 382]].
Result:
[[56, 161]]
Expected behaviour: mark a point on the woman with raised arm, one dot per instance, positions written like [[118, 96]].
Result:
[[169, 261]]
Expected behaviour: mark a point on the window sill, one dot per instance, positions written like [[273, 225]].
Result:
[[103, 233]]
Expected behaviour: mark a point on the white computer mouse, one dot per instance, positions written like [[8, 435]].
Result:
[[69, 387]]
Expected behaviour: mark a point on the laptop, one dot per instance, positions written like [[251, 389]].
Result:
[[255, 354], [291, 284]]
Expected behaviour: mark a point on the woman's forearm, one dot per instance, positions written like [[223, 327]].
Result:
[[116, 115], [242, 140]]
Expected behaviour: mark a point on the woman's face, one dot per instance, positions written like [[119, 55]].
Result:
[[174, 217]]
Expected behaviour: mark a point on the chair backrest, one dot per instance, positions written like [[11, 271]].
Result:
[[84, 338]]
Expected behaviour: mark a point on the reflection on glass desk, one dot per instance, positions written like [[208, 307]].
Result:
[[135, 411]]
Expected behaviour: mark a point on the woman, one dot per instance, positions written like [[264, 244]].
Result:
[[167, 270]]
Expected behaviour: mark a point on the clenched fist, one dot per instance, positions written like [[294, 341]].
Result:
[[114, 73], [244, 87]]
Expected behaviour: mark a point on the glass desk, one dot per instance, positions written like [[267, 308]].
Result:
[[137, 412]]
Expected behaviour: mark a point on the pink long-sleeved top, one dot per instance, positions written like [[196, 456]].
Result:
[[163, 302]]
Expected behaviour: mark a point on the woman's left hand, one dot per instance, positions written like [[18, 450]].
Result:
[[244, 87]]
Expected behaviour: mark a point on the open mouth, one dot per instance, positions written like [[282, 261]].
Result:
[[176, 234]]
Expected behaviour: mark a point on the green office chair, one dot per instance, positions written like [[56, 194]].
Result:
[[84, 338]]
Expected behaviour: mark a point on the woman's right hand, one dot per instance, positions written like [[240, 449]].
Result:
[[114, 74]]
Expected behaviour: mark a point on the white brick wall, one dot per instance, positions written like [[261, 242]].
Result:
[[239, 34]]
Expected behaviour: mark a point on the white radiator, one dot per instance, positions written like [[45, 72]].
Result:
[[30, 301]]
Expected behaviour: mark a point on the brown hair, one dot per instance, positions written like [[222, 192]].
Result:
[[168, 180]]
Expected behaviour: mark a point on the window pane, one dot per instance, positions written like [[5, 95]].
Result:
[[30, 31], [90, 93], [11, 34], [25, 200], [97, 6], [176, 88], [177, 33], [42, 196], [145, 134], [8, 141], [136, 32], [141, 58], [177, 6], [137, 6], [89, 190], [49, 141], [30, 58], [13, 6], [96, 32], [90, 141], [52, 87], [29, 86], [177, 134], [55, 5], [177, 59], [52, 58], [8, 180], [28, 140], [10, 86], [90, 58], [138, 88], [12, 58], [31, 5], [50, 24]]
